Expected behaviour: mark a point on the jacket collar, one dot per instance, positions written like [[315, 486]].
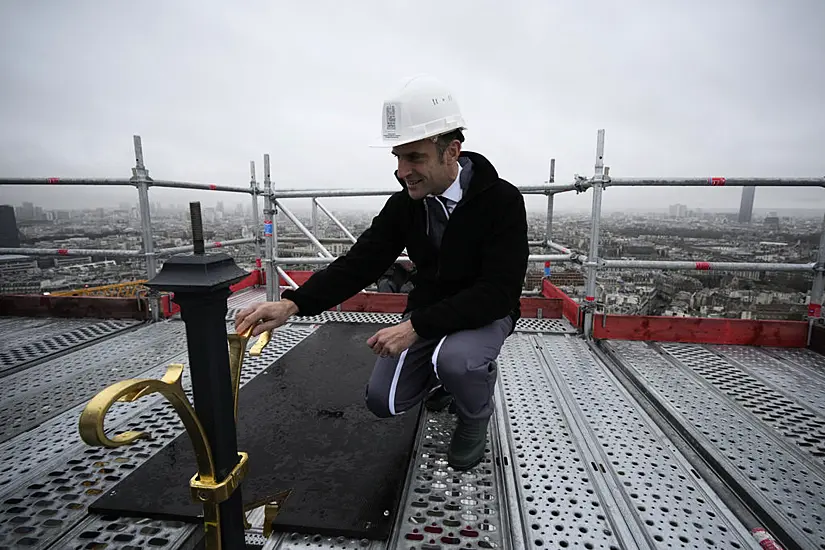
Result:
[[484, 174]]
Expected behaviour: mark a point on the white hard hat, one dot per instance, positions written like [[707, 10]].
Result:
[[423, 107]]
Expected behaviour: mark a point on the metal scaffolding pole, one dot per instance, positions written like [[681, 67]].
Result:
[[557, 247], [303, 229], [256, 231], [190, 248], [815, 304], [200, 186], [328, 240], [703, 266], [66, 181], [314, 218], [141, 179], [292, 284], [320, 193], [334, 219], [273, 292], [316, 260], [548, 229], [585, 184], [72, 252], [590, 292]]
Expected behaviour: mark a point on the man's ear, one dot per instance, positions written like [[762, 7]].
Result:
[[453, 151]]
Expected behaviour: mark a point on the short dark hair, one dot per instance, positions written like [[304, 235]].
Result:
[[444, 140]]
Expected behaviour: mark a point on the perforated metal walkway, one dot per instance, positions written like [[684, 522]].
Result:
[[579, 456]]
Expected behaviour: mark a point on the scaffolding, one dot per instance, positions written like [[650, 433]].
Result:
[[266, 241]]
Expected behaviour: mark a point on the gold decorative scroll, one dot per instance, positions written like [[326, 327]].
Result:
[[203, 485]]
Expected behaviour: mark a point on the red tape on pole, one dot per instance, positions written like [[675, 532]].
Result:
[[54, 180], [717, 182], [212, 186], [218, 244], [764, 539], [63, 252], [703, 266]]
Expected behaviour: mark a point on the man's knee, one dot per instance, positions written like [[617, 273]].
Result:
[[378, 403], [454, 361]]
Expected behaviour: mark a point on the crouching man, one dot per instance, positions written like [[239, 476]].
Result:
[[465, 229]]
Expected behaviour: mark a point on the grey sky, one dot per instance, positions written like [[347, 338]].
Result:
[[682, 89]]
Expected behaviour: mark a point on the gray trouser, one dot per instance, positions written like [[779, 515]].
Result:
[[462, 362]]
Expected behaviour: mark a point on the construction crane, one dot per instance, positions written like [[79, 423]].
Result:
[[118, 290]]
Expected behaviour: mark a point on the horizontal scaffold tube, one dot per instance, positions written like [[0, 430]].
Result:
[[70, 252], [319, 260], [215, 244], [66, 181], [320, 193], [702, 266], [690, 182], [201, 186]]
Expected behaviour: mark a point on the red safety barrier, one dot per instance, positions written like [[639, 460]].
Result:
[[570, 309], [700, 330], [551, 308], [253, 279]]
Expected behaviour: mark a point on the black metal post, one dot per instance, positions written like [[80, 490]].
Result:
[[201, 285]]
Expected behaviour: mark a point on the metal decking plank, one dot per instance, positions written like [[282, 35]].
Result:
[[659, 494], [107, 532], [441, 505], [784, 492], [758, 388], [40, 511], [783, 377], [808, 361], [17, 331], [559, 501], [26, 355], [36, 395], [622, 517]]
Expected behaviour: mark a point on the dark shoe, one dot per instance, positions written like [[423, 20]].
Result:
[[468, 443], [438, 400]]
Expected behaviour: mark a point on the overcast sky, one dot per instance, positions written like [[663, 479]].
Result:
[[691, 88]]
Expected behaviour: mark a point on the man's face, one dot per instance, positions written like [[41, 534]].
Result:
[[423, 171]]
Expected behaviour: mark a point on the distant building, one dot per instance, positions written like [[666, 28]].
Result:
[[9, 236], [16, 264], [678, 210], [772, 220], [746, 206]]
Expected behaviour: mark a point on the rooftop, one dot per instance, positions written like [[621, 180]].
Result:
[[595, 444]]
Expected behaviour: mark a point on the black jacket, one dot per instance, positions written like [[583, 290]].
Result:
[[475, 278]]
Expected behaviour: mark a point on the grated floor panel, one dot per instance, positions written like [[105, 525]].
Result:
[[19, 331], [621, 485], [444, 507], [557, 326], [783, 377], [35, 395], [572, 461], [19, 355], [770, 390], [694, 385], [98, 532], [38, 510]]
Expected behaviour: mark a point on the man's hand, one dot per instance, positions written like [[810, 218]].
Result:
[[390, 342], [264, 316]]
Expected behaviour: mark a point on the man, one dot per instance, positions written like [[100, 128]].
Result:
[[465, 229]]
